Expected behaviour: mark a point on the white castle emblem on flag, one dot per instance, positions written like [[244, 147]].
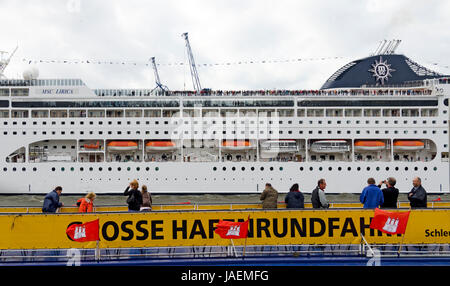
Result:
[[391, 225], [234, 230], [80, 232]]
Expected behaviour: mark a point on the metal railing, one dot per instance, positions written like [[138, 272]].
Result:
[[109, 254], [203, 206]]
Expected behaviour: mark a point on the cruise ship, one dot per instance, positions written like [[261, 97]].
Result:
[[380, 116]]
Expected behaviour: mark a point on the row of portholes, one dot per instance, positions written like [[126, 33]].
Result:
[[329, 168], [232, 168], [224, 132], [176, 179], [82, 169]]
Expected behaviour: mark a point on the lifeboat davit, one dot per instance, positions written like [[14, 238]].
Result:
[[160, 146], [272, 148], [236, 145], [330, 146], [408, 145], [122, 146], [369, 145]]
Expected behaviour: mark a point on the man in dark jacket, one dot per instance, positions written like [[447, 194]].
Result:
[[390, 193], [417, 196], [294, 199], [51, 201], [318, 198]]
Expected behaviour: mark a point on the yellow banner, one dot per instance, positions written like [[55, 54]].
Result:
[[282, 227]]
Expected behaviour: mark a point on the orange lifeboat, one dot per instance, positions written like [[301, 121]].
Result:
[[160, 146], [408, 145], [369, 145], [236, 145], [92, 146], [122, 146]]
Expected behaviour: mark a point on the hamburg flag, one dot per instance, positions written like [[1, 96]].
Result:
[[84, 232], [232, 230], [390, 222]]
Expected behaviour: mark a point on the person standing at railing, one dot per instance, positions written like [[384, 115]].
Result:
[[417, 196], [146, 199], [269, 197], [318, 198], [294, 199], [134, 199], [371, 196], [390, 193], [86, 204], [51, 201]]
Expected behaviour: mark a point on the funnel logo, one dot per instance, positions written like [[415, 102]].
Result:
[[381, 70]]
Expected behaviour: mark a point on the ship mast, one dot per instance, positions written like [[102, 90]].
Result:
[[194, 74]]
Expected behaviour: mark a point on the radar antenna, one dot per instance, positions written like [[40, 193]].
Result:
[[5, 61], [194, 74], [157, 80]]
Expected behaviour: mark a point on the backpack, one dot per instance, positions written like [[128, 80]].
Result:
[[131, 199]]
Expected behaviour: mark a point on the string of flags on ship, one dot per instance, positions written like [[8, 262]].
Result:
[[148, 63]]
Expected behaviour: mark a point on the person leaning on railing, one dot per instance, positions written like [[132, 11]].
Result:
[[86, 204]]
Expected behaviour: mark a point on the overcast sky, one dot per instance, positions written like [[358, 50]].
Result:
[[229, 31]]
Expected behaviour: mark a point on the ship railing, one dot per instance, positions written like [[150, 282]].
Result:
[[400, 90], [192, 252], [188, 206]]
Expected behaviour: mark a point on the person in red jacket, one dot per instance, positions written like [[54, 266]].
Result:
[[87, 203]]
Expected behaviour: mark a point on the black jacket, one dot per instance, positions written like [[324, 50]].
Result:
[[295, 200], [135, 203], [419, 198], [390, 195]]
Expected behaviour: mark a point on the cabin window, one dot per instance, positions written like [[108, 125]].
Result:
[[19, 92], [4, 114], [58, 113]]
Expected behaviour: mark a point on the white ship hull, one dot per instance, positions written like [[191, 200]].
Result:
[[45, 128], [201, 178]]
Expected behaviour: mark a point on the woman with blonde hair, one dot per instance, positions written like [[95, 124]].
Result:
[[134, 199], [146, 199], [86, 204]]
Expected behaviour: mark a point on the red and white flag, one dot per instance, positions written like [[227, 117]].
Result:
[[232, 230], [84, 232], [390, 222]]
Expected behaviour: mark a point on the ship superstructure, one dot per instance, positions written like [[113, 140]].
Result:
[[380, 116]]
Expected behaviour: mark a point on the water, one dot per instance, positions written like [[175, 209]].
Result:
[[69, 200]]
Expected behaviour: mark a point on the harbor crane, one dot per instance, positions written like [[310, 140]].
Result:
[[5, 61], [157, 80], [194, 74]]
